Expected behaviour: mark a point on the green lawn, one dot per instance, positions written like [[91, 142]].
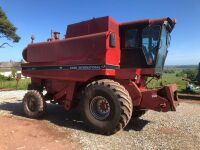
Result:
[[23, 84]]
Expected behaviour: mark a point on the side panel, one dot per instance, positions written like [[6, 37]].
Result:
[[95, 25], [72, 75], [84, 54], [82, 50]]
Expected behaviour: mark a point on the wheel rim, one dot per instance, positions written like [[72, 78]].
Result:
[[32, 104], [100, 108]]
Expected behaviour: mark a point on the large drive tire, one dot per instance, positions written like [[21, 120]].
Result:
[[106, 106], [138, 113], [33, 104]]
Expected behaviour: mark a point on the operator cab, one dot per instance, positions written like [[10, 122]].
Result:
[[144, 43]]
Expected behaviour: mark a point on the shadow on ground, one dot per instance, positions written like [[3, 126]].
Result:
[[190, 97], [57, 115]]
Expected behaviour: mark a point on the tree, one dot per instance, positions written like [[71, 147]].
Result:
[[7, 29]]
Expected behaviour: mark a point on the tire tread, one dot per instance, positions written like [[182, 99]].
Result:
[[125, 102]]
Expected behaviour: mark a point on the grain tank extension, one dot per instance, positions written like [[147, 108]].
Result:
[[102, 66]]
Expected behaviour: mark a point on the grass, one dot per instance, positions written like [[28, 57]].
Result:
[[12, 84], [169, 78]]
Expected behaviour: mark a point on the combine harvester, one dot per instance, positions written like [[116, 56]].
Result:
[[102, 66]]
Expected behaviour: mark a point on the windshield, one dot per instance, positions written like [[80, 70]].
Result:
[[162, 52], [150, 43]]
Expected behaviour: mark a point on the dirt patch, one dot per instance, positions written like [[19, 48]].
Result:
[[189, 101], [6, 89], [167, 130], [31, 135]]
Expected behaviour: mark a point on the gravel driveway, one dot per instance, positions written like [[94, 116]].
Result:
[[172, 130]]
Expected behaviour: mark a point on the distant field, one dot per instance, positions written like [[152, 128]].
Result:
[[168, 78]]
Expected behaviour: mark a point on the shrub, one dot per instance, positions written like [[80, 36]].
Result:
[[169, 71], [4, 78], [14, 72], [191, 73], [187, 73], [180, 74]]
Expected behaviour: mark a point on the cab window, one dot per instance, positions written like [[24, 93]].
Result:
[[150, 41], [130, 38]]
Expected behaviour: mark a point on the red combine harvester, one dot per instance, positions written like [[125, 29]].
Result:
[[102, 66]]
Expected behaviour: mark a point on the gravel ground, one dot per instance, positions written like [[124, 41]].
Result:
[[172, 130]]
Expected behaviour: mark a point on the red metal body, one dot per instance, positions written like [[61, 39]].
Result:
[[65, 66]]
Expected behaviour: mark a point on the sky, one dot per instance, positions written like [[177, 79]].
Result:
[[38, 17]]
